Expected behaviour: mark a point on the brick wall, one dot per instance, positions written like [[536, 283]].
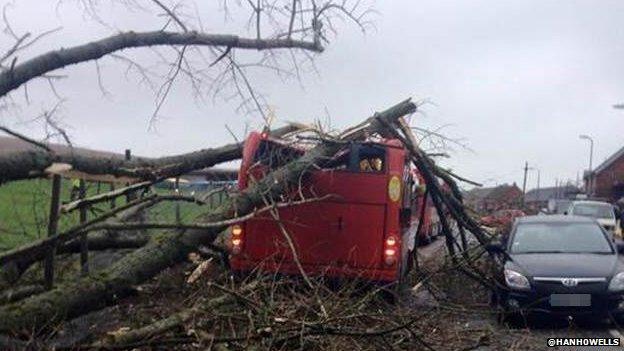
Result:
[[610, 182]]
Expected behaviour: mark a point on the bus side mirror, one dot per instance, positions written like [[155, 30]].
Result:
[[619, 246], [494, 248]]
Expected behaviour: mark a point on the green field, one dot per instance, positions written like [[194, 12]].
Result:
[[25, 205]]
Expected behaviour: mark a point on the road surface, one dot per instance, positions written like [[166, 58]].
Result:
[[539, 330]]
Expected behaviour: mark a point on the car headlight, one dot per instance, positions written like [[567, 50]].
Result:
[[518, 281], [617, 282]]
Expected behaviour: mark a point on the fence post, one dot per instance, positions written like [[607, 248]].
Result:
[[177, 203], [112, 201], [48, 269], [131, 195], [84, 244]]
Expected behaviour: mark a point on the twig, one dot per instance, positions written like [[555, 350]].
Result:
[[25, 138]]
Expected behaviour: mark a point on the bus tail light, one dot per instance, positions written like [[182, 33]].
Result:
[[390, 251], [237, 239]]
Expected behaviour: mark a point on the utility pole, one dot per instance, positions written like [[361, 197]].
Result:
[[526, 169], [590, 175]]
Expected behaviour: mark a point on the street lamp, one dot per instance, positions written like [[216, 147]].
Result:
[[590, 176]]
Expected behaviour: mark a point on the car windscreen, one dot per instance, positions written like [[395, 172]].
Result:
[[559, 238], [593, 210]]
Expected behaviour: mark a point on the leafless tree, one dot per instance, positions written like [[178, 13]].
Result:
[[284, 35]]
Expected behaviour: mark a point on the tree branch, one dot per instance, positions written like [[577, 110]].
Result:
[[25, 138], [42, 64], [29, 164]]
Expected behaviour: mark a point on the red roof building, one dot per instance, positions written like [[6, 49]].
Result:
[[608, 178]]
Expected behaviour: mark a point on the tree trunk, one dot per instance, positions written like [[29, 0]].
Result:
[[103, 240], [33, 163], [164, 250]]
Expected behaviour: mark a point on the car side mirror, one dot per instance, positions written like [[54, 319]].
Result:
[[619, 246], [496, 248]]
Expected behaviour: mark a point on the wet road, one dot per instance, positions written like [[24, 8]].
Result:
[[539, 328]]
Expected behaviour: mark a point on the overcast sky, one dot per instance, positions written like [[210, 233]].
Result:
[[515, 80]]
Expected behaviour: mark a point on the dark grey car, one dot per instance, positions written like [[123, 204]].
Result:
[[560, 265]]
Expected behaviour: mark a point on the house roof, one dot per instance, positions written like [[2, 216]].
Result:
[[545, 194], [609, 161], [491, 193], [478, 193]]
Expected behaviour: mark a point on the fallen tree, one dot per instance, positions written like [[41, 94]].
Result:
[[34, 163], [25, 255], [95, 291], [173, 321], [15, 262], [105, 240]]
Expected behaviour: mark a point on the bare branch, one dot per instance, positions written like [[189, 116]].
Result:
[[164, 90], [171, 14], [19, 74], [104, 197], [25, 138]]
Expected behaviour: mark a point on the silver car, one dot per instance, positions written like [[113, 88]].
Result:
[[603, 212]]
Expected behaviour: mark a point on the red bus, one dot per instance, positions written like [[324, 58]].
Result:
[[365, 229]]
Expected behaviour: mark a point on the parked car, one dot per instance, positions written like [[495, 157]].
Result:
[[563, 265], [603, 212], [501, 218]]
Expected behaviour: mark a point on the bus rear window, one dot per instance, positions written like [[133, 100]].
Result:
[[371, 158], [365, 158]]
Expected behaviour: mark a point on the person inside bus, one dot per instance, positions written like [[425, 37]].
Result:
[[374, 164]]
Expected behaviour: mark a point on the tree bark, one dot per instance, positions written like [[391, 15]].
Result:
[[33, 163], [104, 240], [164, 250], [19, 293]]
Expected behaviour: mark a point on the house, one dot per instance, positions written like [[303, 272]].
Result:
[[536, 199], [491, 199], [608, 178]]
